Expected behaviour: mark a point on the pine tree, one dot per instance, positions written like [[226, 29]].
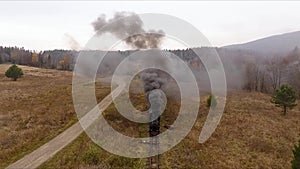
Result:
[[284, 97], [14, 72]]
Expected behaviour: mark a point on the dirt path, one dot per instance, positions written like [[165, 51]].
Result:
[[48, 150]]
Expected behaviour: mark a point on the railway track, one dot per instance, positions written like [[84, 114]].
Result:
[[153, 161]]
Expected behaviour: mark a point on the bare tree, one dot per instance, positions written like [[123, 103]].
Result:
[[294, 77], [275, 72], [255, 77]]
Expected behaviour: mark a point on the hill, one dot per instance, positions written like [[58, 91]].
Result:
[[273, 45]]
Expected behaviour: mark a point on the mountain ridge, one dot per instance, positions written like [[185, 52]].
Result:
[[279, 44]]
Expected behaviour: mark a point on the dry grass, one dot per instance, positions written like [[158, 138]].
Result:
[[252, 133], [34, 110], [73, 156]]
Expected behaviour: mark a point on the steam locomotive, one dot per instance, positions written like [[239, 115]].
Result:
[[154, 127], [154, 112]]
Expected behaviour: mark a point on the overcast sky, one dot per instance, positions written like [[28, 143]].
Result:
[[44, 25]]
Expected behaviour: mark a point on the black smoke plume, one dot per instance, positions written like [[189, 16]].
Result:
[[128, 26]]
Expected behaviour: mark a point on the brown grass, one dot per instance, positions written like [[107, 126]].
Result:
[[252, 133], [34, 110]]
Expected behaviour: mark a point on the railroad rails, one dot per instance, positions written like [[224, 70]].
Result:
[[153, 161], [156, 103], [154, 130]]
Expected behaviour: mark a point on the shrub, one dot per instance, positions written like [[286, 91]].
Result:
[[284, 97], [211, 101], [92, 155], [296, 160], [14, 72]]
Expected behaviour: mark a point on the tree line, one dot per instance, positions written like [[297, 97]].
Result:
[[250, 70], [56, 59], [269, 74]]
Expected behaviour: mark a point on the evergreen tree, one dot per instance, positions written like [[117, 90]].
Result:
[[284, 97], [14, 72]]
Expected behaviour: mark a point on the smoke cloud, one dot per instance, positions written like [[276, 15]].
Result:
[[128, 26], [74, 45], [152, 80]]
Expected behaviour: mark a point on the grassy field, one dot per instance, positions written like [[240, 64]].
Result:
[[83, 153], [34, 109], [252, 133]]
